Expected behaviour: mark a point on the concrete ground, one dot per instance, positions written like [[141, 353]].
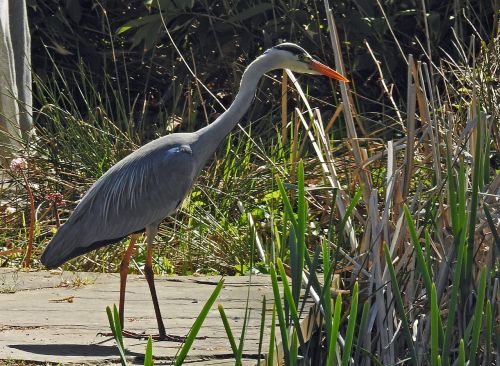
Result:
[[57, 317]]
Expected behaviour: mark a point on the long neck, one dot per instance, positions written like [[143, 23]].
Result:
[[212, 135]]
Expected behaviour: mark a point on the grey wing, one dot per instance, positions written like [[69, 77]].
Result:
[[141, 190], [142, 193]]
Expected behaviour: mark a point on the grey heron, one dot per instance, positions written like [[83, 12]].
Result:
[[148, 185]]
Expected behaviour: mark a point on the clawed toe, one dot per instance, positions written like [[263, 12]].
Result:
[[156, 337]]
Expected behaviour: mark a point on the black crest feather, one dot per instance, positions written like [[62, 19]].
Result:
[[290, 47]]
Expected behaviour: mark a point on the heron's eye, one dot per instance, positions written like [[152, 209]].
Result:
[[304, 58]]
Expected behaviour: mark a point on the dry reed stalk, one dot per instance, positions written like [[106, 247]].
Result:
[[376, 270], [284, 109], [348, 106], [410, 130], [326, 164], [390, 184], [384, 85], [434, 120], [334, 118], [397, 145], [295, 153], [329, 160], [420, 100]]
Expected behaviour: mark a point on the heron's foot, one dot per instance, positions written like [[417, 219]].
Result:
[[168, 337], [143, 335], [156, 337]]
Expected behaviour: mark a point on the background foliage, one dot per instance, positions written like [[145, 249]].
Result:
[[126, 39]]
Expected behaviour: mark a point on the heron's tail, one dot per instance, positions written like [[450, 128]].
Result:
[[68, 244]]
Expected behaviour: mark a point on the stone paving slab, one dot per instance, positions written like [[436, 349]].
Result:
[[47, 317]]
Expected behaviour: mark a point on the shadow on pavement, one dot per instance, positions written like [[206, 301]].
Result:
[[70, 349]]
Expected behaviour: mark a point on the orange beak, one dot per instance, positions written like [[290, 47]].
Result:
[[325, 70]]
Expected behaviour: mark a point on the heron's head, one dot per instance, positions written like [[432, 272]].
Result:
[[297, 59]]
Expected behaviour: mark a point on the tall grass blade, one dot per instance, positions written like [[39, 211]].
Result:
[[188, 342], [422, 265], [351, 324], [281, 314], [476, 181], [262, 328], [326, 297], [332, 345], [461, 353], [115, 326], [400, 307], [453, 298], [462, 200], [451, 184], [363, 338], [272, 339], [434, 326], [300, 235], [294, 349], [287, 205], [229, 332], [118, 326], [148, 357], [239, 355], [488, 355], [478, 316], [290, 301], [354, 201]]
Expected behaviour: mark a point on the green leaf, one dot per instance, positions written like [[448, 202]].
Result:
[[422, 265], [453, 300], [148, 357], [478, 317], [139, 22], [288, 206], [451, 185], [488, 355], [262, 327], [281, 314], [332, 345], [229, 332], [461, 353], [118, 326], [114, 320], [294, 349], [351, 324], [272, 338], [301, 234], [290, 301], [357, 196], [434, 326]]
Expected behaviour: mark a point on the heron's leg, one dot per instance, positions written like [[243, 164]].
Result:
[[123, 275], [148, 271]]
